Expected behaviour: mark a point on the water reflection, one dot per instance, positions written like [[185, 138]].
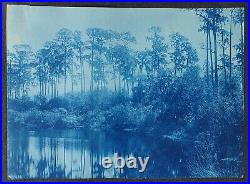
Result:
[[78, 154]]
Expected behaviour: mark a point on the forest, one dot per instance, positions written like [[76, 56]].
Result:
[[165, 91]]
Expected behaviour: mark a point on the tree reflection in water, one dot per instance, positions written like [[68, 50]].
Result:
[[78, 154]]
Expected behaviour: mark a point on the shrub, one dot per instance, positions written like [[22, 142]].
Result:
[[53, 119], [34, 118], [58, 102], [119, 98], [143, 117], [205, 161], [15, 118], [21, 104], [70, 121], [118, 117], [95, 119], [40, 101]]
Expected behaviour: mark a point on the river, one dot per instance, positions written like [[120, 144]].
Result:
[[72, 153]]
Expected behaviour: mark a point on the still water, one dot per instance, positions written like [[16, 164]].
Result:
[[75, 153]]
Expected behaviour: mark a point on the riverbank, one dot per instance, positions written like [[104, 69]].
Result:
[[120, 117], [118, 111], [117, 119]]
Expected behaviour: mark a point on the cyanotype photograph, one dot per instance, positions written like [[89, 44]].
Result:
[[124, 93]]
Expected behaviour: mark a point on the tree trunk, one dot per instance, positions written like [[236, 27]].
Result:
[[230, 52], [114, 77], [84, 81], [54, 81], [82, 72], [127, 87], [92, 65], [51, 83], [103, 77], [40, 88], [211, 60], [65, 77], [207, 65], [242, 54], [23, 89], [81, 77], [57, 91], [124, 85], [133, 83], [215, 62], [119, 82], [141, 67], [72, 78], [46, 90], [10, 83], [223, 58]]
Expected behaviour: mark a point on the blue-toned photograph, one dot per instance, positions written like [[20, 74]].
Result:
[[127, 93]]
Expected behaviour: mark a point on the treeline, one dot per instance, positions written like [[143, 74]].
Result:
[[111, 57], [214, 24]]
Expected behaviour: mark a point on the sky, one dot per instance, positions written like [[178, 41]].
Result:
[[35, 25]]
